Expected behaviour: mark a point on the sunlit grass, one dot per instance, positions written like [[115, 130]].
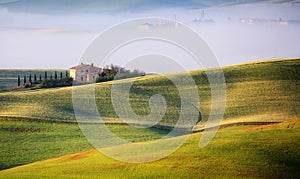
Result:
[[236, 152]]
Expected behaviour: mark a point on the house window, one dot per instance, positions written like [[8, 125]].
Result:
[[86, 71], [93, 77], [81, 71], [82, 78]]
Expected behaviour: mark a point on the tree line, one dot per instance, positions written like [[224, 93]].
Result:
[[109, 73], [58, 80], [113, 72]]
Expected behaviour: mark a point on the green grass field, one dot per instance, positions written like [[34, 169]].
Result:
[[39, 124], [252, 89], [24, 142], [270, 151]]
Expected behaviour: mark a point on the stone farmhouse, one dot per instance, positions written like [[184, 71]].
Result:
[[85, 73]]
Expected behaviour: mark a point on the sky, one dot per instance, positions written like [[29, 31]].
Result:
[[55, 34]]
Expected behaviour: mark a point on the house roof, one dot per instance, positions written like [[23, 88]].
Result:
[[81, 65]]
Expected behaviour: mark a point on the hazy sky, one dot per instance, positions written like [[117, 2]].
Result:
[[54, 34]]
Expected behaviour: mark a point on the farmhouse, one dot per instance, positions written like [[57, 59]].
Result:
[[85, 73]]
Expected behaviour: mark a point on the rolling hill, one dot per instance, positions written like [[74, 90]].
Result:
[[265, 88], [269, 151]]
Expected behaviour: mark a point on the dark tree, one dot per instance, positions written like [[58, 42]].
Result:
[[24, 79], [45, 75], [34, 78], [40, 77], [61, 75], [19, 81], [55, 75], [116, 72], [51, 77], [57, 83], [30, 78], [67, 74]]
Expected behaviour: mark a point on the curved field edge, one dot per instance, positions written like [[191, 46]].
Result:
[[26, 140], [268, 151]]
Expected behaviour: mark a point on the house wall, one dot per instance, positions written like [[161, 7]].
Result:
[[73, 74], [85, 74]]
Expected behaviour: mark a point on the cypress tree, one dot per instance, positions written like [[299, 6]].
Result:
[[45, 75], [40, 77], [34, 78], [61, 75], [24, 79], [67, 74], [30, 78], [51, 77], [55, 75], [19, 80]]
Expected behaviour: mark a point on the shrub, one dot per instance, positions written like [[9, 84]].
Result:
[[116, 72], [67, 81]]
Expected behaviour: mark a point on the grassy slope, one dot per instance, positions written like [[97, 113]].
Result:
[[23, 142], [264, 88], [240, 151], [26, 142]]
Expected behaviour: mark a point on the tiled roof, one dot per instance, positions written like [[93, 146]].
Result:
[[79, 66]]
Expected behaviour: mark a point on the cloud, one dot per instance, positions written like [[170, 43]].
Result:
[[7, 1], [3, 10], [50, 30]]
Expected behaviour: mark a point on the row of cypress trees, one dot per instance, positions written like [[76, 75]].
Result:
[[39, 79]]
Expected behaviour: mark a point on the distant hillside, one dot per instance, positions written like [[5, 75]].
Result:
[[264, 90], [93, 6], [9, 77]]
